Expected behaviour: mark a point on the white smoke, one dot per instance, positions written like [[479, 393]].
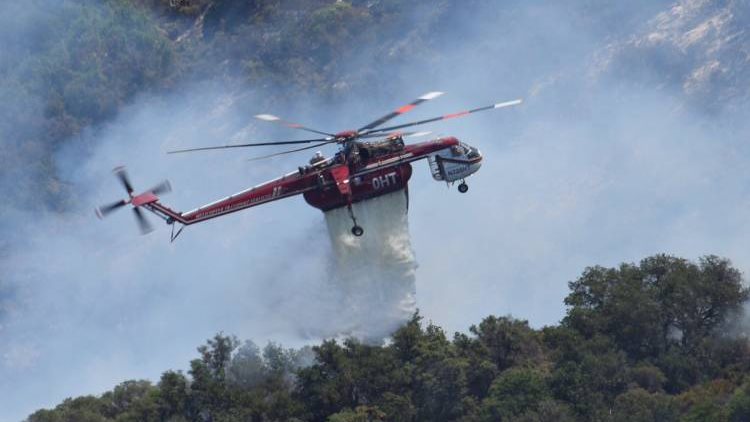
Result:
[[580, 175], [375, 273]]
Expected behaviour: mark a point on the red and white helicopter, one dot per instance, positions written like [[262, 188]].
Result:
[[360, 170]]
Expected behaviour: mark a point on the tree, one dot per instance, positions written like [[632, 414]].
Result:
[[513, 393], [663, 302], [123, 397], [647, 377], [706, 402], [738, 408], [360, 414], [587, 373], [81, 409], [247, 368], [217, 354], [173, 395], [591, 367], [209, 389], [498, 343], [697, 298], [618, 303], [638, 405]]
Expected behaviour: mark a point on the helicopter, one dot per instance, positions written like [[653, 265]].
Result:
[[362, 169]]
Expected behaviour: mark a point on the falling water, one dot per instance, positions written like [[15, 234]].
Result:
[[375, 273]]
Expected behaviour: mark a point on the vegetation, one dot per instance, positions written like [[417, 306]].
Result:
[[71, 66], [655, 341]]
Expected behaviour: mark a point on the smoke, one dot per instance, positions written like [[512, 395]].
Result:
[[94, 303], [597, 167], [376, 273]]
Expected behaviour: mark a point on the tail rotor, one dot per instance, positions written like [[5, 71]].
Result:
[[137, 201], [105, 210], [124, 179], [143, 223], [161, 188]]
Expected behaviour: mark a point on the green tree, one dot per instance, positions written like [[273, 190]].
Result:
[[173, 395], [638, 405], [587, 373], [706, 402], [664, 300], [438, 377], [360, 414], [515, 392], [209, 392], [498, 343], [81, 409], [697, 298], [647, 377], [247, 368], [738, 407], [618, 303], [586, 368]]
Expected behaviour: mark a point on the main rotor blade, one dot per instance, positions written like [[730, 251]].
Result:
[[275, 119], [254, 144], [104, 210], [124, 179], [163, 187], [388, 135], [401, 110], [448, 116], [290, 151], [143, 223], [417, 134]]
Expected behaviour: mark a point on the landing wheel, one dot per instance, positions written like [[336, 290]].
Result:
[[358, 231], [463, 187]]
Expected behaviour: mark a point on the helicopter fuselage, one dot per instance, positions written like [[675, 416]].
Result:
[[342, 180], [361, 170]]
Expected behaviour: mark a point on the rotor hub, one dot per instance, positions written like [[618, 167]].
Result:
[[346, 135]]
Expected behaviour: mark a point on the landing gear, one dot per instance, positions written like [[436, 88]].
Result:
[[463, 187], [356, 230]]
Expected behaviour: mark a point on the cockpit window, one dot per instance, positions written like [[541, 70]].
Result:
[[469, 151], [458, 150]]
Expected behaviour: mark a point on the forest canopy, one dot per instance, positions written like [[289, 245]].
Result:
[[660, 340]]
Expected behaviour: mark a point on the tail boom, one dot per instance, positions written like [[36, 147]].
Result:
[[288, 185]]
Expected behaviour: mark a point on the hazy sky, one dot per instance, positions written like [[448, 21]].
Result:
[[590, 170]]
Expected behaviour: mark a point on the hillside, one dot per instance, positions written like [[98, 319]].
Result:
[[631, 142], [694, 48], [75, 75]]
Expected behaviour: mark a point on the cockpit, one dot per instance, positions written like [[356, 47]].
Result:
[[455, 163], [466, 151]]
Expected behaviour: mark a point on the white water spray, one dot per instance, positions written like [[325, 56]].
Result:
[[375, 273]]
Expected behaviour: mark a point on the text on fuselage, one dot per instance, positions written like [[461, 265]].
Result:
[[387, 180]]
